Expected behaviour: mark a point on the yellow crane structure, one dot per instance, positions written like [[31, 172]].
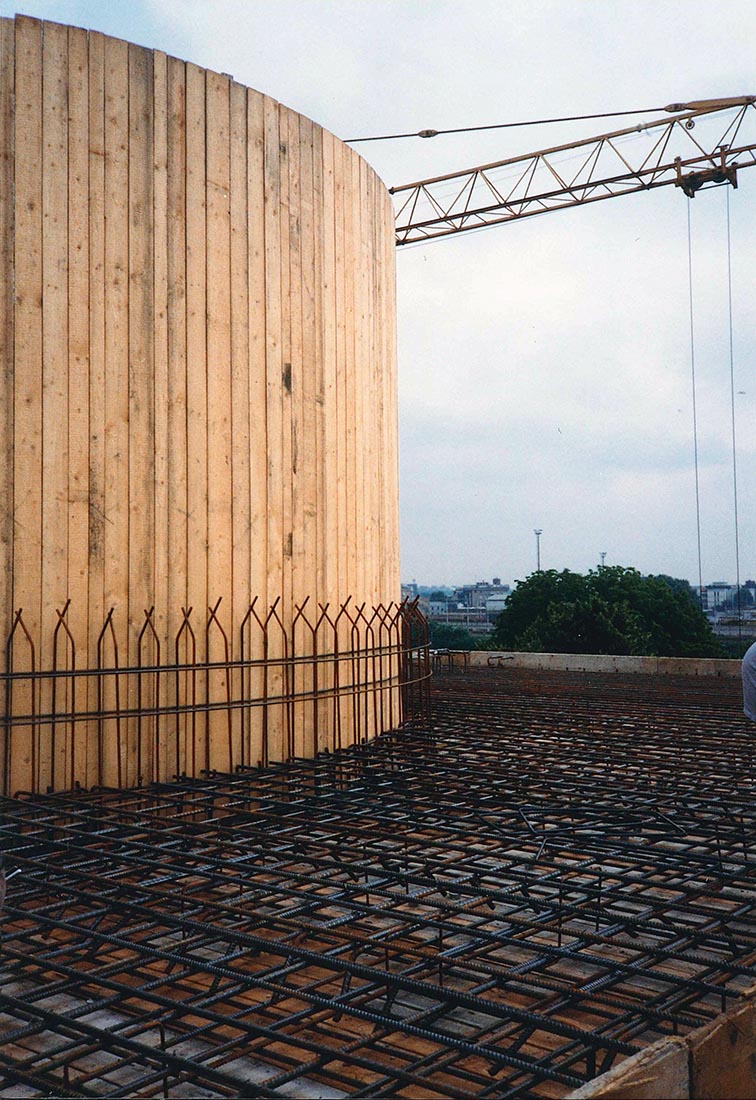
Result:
[[582, 172]]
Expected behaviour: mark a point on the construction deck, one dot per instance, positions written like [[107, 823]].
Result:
[[556, 873]]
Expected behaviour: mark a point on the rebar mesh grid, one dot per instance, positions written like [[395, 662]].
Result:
[[556, 873]]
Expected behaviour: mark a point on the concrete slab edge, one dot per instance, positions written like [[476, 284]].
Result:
[[591, 662]]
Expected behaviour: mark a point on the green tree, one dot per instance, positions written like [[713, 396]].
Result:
[[678, 584], [450, 636], [611, 610]]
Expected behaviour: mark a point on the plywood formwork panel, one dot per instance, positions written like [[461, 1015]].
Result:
[[199, 381]]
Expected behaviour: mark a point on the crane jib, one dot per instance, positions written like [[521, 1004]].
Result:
[[580, 172]]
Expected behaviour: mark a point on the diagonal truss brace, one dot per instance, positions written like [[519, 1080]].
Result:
[[638, 158]]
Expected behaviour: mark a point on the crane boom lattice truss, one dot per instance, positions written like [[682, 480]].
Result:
[[638, 158]]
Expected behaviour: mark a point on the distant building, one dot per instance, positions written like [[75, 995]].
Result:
[[476, 595], [495, 606], [714, 596], [474, 607]]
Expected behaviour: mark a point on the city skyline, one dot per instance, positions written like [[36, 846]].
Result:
[[511, 581]]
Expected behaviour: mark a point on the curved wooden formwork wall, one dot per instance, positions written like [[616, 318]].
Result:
[[198, 394]]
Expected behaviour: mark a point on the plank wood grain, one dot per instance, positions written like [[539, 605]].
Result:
[[141, 398], [274, 377], [28, 363], [55, 410], [177, 456], [328, 496], [7, 180], [97, 415], [78, 369], [116, 290], [257, 250], [240, 443], [164, 736], [196, 368], [219, 474]]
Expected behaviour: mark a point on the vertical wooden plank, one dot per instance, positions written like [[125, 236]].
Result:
[[307, 394], [340, 359], [387, 442], [177, 503], [220, 559], [291, 376], [177, 458], [295, 455], [7, 269], [350, 308], [54, 172], [257, 205], [299, 387], [288, 371], [320, 501], [7, 221], [78, 368], [218, 336], [240, 384], [314, 237], [165, 764], [305, 400], [196, 365], [370, 423], [390, 361], [374, 414], [342, 193], [358, 276], [257, 217], [351, 303], [275, 299], [328, 494], [96, 321], [7, 182], [141, 467], [387, 374], [363, 427], [116, 279], [379, 380]]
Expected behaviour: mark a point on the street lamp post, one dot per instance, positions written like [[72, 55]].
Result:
[[538, 532]]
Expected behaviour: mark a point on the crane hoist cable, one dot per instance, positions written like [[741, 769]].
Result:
[[512, 125], [695, 415], [732, 420], [732, 409]]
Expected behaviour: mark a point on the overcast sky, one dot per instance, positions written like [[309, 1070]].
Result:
[[544, 366]]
